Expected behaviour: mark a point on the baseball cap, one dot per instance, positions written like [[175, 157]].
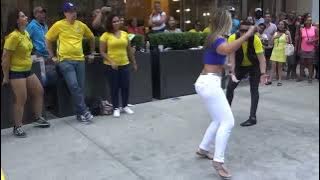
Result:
[[68, 6], [232, 9], [257, 9]]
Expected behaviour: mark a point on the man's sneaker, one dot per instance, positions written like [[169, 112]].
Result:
[[41, 122], [128, 110], [19, 132], [85, 118], [116, 112]]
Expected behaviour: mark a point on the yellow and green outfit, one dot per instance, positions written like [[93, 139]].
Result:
[[20, 44], [116, 50], [279, 46], [69, 39], [194, 31], [247, 63], [71, 58], [207, 30]]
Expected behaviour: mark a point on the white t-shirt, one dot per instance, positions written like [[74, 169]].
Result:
[[158, 18], [177, 30], [269, 31]]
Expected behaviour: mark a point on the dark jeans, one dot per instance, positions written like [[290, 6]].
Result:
[[73, 73], [51, 75], [119, 79], [254, 77], [292, 66]]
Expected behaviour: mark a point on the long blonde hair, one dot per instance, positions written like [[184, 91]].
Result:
[[221, 24]]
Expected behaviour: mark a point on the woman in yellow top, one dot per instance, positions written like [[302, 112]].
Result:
[[16, 67], [278, 56], [116, 51]]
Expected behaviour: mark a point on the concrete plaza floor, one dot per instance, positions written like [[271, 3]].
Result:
[[159, 141]]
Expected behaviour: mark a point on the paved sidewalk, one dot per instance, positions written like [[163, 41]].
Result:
[[159, 141]]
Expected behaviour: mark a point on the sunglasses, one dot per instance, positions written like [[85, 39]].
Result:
[[243, 30], [115, 21]]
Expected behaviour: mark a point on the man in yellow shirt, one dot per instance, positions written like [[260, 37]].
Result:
[[247, 60], [69, 34], [197, 27]]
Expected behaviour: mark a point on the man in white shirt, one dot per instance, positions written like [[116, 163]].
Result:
[[259, 16], [157, 19], [269, 31]]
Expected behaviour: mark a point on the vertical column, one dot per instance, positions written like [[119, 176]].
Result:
[[315, 10], [244, 9]]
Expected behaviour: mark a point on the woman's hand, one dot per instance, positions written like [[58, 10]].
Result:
[[264, 79], [234, 78], [114, 66], [5, 81], [135, 67]]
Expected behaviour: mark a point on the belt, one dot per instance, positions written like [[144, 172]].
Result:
[[214, 74]]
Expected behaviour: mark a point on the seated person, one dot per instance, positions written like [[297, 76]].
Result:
[[134, 28], [197, 27], [172, 23]]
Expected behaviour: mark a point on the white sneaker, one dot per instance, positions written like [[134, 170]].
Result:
[[128, 110], [116, 113]]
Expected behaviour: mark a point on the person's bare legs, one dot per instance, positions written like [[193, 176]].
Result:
[[273, 71], [280, 72], [310, 69], [302, 66], [20, 97], [35, 91]]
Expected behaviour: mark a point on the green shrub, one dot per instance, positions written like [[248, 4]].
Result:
[[138, 41], [178, 41]]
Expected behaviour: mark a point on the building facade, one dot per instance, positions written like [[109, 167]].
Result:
[[185, 11]]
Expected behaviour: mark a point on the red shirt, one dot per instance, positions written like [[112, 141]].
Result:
[[135, 30]]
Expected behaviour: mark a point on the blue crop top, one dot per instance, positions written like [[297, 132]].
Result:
[[211, 56]]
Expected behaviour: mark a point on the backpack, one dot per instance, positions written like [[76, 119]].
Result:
[[97, 106]]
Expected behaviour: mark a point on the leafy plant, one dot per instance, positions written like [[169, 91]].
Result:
[[178, 41], [138, 41]]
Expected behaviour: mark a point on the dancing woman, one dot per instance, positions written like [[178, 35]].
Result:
[[208, 87]]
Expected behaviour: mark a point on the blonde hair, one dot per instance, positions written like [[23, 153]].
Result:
[[221, 24]]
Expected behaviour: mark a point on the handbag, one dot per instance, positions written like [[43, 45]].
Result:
[[289, 50]]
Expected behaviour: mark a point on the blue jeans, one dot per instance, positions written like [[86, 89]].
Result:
[[119, 80], [73, 73]]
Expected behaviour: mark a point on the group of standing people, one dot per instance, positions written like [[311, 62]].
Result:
[[249, 49], [246, 48], [24, 39], [302, 34]]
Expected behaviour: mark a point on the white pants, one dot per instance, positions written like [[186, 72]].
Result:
[[209, 89]]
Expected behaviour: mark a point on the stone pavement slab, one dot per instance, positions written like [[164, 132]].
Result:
[[159, 141]]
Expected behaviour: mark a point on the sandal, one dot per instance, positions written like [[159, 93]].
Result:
[[279, 84], [204, 154], [221, 170], [268, 83]]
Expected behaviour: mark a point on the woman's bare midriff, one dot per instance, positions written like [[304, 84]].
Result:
[[212, 68]]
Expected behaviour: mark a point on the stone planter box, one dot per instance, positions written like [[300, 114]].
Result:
[[175, 72]]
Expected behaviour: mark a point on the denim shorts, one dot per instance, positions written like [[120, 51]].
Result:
[[19, 75]]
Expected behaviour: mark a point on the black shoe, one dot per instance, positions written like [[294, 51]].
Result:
[[18, 132], [86, 118], [41, 122], [249, 122]]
